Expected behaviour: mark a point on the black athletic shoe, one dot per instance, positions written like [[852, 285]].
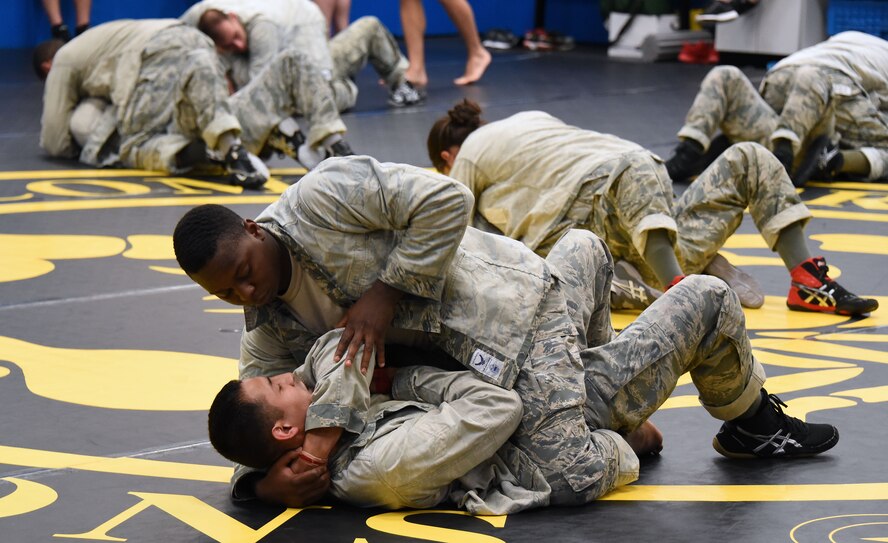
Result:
[[723, 12], [405, 94], [814, 155], [245, 170], [771, 433], [285, 145], [60, 32], [341, 148], [783, 152], [685, 161], [829, 163]]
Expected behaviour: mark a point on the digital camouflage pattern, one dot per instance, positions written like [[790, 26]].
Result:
[[365, 40], [180, 97], [288, 86], [797, 103], [624, 199]]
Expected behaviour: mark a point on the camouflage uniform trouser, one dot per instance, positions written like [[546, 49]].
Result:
[[364, 40], [797, 103], [805, 93], [288, 86], [631, 195], [580, 389], [180, 96]]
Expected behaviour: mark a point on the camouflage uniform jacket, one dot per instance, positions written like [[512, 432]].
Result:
[[437, 436], [354, 220], [271, 26], [104, 62]]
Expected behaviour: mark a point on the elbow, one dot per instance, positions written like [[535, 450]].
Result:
[[512, 408]]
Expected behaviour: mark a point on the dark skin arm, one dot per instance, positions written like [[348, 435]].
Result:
[[292, 481], [366, 323]]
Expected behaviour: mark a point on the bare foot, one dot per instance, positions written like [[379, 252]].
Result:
[[417, 78], [475, 67]]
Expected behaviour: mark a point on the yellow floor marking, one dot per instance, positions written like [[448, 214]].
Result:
[[751, 260], [75, 174], [82, 174], [35, 458], [746, 241], [800, 408], [29, 255], [822, 348], [82, 205], [794, 361], [853, 243], [751, 493], [877, 394], [169, 270], [28, 496], [120, 378], [687, 493], [779, 385], [862, 338], [849, 215], [150, 247], [851, 185]]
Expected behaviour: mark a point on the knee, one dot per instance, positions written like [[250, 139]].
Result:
[[368, 23], [711, 289], [723, 75], [585, 246]]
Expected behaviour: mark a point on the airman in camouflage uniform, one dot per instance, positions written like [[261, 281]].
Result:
[[164, 86], [617, 189], [836, 88], [173, 93], [256, 32]]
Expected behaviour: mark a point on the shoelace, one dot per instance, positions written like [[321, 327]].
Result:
[[795, 425]]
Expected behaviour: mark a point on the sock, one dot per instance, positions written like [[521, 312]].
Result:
[[288, 126], [227, 141], [660, 256], [784, 153], [855, 163], [753, 409], [792, 246], [330, 140]]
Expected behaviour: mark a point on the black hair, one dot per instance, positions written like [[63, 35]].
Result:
[[453, 129], [240, 430], [200, 232]]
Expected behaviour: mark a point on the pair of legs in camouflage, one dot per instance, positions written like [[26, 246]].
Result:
[[628, 197], [180, 97], [365, 40], [289, 86], [583, 388], [797, 104]]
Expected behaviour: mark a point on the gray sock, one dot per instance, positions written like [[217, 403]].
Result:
[[660, 256], [792, 246]]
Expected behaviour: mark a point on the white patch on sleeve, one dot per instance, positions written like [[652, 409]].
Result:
[[486, 364]]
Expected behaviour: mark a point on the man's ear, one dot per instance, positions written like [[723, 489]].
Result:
[[447, 156], [281, 431], [45, 66], [253, 229]]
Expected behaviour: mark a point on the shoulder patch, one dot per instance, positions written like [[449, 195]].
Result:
[[486, 364]]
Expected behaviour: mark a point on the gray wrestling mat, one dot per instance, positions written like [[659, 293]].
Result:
[[109, 356]]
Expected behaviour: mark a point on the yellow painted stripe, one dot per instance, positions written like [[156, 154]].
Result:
[[80, 205], [686, 493], [752, 493], [36, 458], [82, 174], [849, 215], [850, 186]]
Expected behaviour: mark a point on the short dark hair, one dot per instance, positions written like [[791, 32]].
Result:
[[209, 22], [200, 232], [43, 52], [240, 430]]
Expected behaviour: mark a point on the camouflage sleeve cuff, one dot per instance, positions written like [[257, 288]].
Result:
[[878, 162], [627, 461], [412, 283], [333, 416]]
